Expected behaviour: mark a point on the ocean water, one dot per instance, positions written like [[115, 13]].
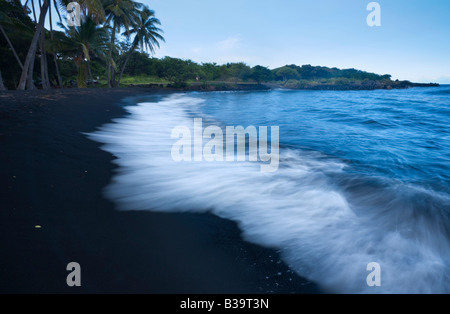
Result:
[[363, 176]]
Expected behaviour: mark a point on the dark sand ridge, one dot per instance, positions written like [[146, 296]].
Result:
[[52, 175]]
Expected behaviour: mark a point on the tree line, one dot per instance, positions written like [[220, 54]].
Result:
[[35, 57], [117, 39], [178, 72]]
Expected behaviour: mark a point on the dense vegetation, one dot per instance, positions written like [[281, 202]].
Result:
[[109, 32], [114, 45], [144, 70]]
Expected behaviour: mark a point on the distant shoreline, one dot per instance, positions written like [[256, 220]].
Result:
[[242, 86], [270, 86]]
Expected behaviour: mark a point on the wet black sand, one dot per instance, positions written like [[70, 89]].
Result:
[[52, 176]]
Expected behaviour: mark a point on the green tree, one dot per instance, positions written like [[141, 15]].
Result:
[[287, 73], [146, 36], [15, 27], [90, 7], [26, 79], [140, 63], [10, 11], [120, 14], [80, 44], [177, 71], [239, 71], [261, 74], [209, 72]]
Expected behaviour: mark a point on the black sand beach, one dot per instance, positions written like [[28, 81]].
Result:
[[52, 176]]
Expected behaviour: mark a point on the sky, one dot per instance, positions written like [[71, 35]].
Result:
[[412, 42]]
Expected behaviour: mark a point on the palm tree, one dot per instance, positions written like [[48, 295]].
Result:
[[2, 86], [122, 14], [55, 59], [146, 36], [43, 55], [26, 79], [80, 44], [13, 17], [92, 6]]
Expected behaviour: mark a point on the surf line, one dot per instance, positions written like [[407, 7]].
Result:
[[230, 148]]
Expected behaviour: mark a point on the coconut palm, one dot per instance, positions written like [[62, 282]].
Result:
[[16, 27], [120, 14], [26, 79], [80, 44], [11, 14], [90, 7], [146, 36]]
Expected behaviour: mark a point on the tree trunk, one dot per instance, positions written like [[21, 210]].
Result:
[[34, 11], [47, 76], [25, 8], [11, 46], [81, 77], [113, 76], [2, 86], [32, 50], [89, 70], [58, 74], [125, 64], [29, 81], [44, 67], [57, 11], [109, 74], [110, 67]]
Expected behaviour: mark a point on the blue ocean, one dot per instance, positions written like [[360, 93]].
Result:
[[363, 177]]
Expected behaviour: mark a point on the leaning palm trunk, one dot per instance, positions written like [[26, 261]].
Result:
[[147, 35], [44, 65], [11, 46], [58, 74], [111, 78], [27, 78], [34, 10], [89, 70], [133, 48], [82, 74], [2, 86], [109, 75], [55, 59], [112, 67], [30, 82]]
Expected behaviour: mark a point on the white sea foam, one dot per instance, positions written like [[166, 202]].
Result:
[[322, 233]]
